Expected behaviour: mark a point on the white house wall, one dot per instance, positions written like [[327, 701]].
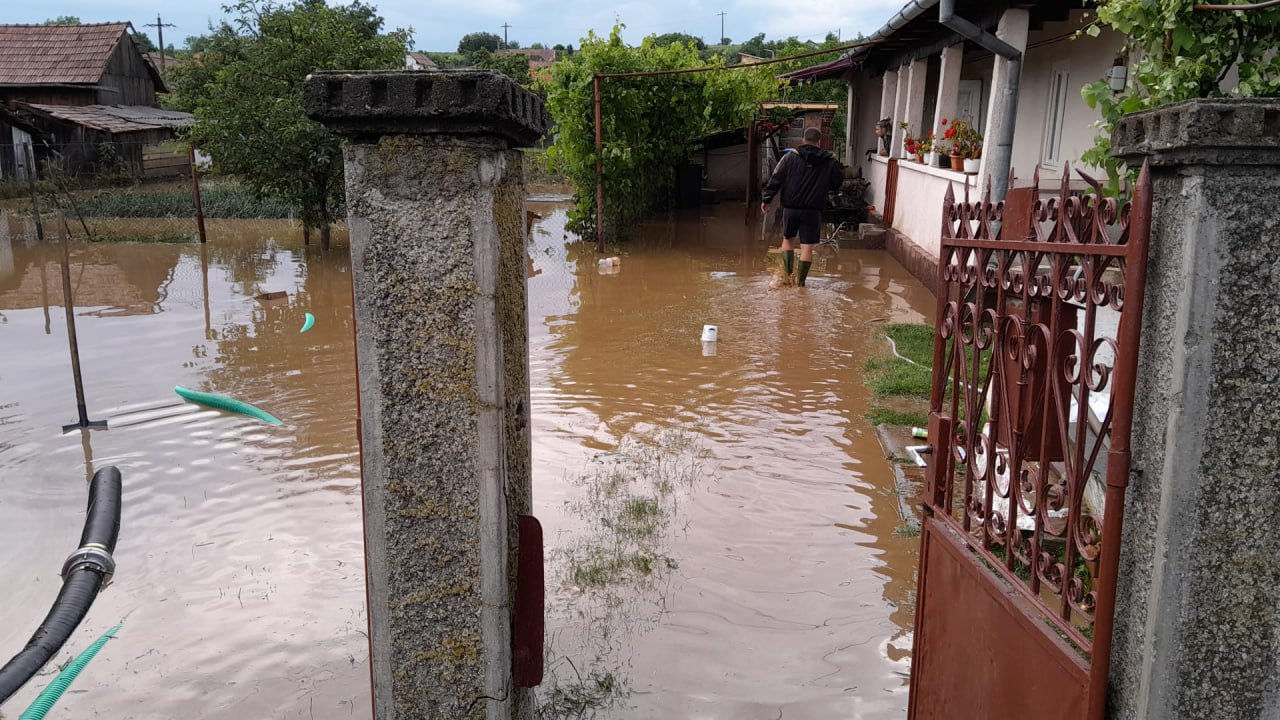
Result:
[[1085, 59]]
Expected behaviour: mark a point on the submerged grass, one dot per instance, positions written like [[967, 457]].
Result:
[[613, 571]]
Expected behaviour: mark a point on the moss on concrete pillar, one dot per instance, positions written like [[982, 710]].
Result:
[[435, 198]]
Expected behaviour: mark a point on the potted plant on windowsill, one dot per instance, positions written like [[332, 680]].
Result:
[[966, 146], [911, 143]]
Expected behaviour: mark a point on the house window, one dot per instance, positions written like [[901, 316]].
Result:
[[1055, 114]]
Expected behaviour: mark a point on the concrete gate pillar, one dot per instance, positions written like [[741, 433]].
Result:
[[1197, 632], [435, 201]]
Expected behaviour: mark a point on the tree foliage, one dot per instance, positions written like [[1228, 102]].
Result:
[[668, 38], [650, 124], [246, 92], [1181, 53], [471, 42], [64, 20], [143, 42], [513, 65]]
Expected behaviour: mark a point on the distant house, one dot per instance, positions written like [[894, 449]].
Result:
[[83, 95], [419, 61], [162, 61], [540, 60]]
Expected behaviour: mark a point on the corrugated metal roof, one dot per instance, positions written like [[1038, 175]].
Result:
[[116, 118], [40, 54]]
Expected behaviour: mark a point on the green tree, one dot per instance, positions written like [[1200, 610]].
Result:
[[669, 38], [64, 20], [513, 65], [246, 93], [650, 124], [1181, 53], [755, 46], [143, 42], [472, 42]]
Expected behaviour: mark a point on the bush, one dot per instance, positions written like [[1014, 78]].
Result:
[[223, 200], [651, 124]]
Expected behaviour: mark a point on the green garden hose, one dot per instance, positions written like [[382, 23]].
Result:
[[223, 402], [44, 702]]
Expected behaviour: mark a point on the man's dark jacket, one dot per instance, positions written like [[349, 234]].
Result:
[[805, 177]]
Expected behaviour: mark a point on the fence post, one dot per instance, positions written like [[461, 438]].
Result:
[[31, 185], [435, 202], [195, 190], [1197, 632]]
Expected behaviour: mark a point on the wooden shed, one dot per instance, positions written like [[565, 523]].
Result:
[[83, 95]]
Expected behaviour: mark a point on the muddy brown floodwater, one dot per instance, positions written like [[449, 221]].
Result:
[[721, 522]]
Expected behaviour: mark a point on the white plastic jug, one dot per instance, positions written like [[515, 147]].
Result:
[[709, 333]]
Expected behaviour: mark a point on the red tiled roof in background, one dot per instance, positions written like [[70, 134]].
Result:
[[44, 54]]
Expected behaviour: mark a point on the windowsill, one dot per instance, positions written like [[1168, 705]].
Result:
[[882, 159], [946, 174]]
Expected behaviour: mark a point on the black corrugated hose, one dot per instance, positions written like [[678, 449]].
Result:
[[84, 573]]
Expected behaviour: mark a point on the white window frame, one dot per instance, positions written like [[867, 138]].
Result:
[[1055, 115]]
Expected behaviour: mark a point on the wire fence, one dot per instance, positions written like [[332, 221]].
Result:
[[134, 191]]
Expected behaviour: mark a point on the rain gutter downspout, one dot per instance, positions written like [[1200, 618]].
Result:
[[1001, 157]]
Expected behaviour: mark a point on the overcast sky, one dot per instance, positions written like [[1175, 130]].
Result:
[[437, 25]]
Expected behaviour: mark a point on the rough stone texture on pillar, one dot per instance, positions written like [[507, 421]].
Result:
[[948, 86], [435, 198], [1198, 606], [1012, 29]]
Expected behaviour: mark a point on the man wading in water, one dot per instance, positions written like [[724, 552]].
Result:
[[805, 177]]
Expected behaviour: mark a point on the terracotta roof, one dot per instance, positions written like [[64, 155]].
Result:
[[43, 54], [116, 118]]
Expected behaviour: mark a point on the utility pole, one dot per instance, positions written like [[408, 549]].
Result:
[[505, 26], [160, 26], [721, 14]]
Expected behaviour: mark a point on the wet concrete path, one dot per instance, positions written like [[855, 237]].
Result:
[[721, 528]]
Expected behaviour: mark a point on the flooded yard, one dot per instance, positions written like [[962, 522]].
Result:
[[722, 530]]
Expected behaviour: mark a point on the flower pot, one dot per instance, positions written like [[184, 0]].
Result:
[[971, 166], [957, 163], [920, 158], [942, 160]]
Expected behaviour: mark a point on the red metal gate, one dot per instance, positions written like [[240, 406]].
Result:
[[1039, 308]]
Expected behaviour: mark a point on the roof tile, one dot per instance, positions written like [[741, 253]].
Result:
[[40, 54]]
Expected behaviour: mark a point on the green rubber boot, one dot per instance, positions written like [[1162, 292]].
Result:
[[788, 260], [804, 272]]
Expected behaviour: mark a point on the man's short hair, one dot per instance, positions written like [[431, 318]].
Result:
[[813, 136]]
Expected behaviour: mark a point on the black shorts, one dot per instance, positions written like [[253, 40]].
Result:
[[805, 223]]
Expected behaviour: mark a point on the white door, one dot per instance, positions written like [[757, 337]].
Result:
[[969, 103], [21, 139]]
